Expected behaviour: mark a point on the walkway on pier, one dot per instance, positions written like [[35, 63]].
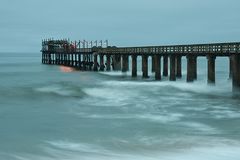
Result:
[[62, 52]]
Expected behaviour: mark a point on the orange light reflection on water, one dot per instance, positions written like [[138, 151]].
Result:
[[66, 69]]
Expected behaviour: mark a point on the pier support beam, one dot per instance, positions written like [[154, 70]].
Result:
[[153, 63], [42, 58], [236, 73], [230, 66], [72, 60], [125, 63], [117, 66], [145, 66], [211, 69], [134, 66], [172, 68], [165, 65], [65, 59], [95, 63], [102, 66], [191, 68], [49, 59], [157, 67], [195, 68], [179, 66], [108, 62]]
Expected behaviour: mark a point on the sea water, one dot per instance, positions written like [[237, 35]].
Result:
[[56, 113]]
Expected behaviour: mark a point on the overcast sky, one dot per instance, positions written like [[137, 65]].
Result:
[[24, 23]]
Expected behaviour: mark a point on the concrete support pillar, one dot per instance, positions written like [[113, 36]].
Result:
[[230, 66], [211, 69], [165, 65], [127, 63], [195, 68], [117, 66], [62, 63], [68, 59], [102, 66], [52, 57], [191, 68], [80, 61], [108, 62], [56, 58], [42, 58], [65, 59], [45, 58], [179, 66], [157, 67], [49, 59], [145, 66], [60, 59], [95, 63], [134, 65], [172, 68], [124, 63], [75, 60], [236, 73], [153, 63], [72, 60]]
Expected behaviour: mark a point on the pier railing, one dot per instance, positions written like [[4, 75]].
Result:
[[217, 48]]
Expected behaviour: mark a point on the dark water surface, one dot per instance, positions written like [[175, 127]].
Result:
[[48, 114]]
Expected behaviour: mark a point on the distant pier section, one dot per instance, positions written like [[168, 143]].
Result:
[[87, 56]]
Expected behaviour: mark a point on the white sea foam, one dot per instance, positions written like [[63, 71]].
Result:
[[220, 114], [62, 150], [160, 118], [198, 87], [55, 89], [199, 127]]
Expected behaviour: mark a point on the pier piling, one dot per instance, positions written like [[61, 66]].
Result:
[[236, 73], [145, 66], [134, 66], [211, 69], [179, 66], [157, 64], [165, 65], [172, 68]]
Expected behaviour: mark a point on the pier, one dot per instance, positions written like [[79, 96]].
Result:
[[98, 58]]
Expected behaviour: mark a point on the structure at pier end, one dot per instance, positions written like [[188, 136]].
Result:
[[87, 57]]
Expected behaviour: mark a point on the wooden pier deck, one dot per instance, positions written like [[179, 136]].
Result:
[[82, 57]]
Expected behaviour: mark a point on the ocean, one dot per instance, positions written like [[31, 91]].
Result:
[[56, 113]]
